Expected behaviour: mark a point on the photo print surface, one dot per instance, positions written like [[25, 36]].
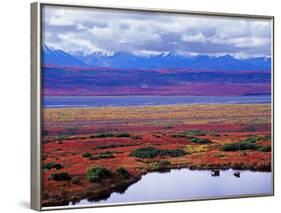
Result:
[[146, 106]]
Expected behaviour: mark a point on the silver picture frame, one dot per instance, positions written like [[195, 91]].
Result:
[[36, 98]]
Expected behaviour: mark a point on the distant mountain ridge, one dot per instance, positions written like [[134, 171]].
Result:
[[130, 60]]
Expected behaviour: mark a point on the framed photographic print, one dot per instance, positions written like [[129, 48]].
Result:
[[135, 105]]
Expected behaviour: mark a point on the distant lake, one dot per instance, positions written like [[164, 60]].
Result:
[[122, 101], [187, 184]]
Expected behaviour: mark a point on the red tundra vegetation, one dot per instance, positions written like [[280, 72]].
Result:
[[92, 152]]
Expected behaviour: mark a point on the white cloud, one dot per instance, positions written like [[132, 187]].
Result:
[[88, 29], [59, 21], [194, 38]]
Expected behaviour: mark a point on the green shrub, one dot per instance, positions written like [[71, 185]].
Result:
[[178, 135], [172, 153], [250, 140], [102, 155], [96, 174], [52, 165], [196, 132], [106, 155], [229, 147], [247, 144], [122, 135], [123, 172], [87, 155], [265, 148], [109, 135], [151, 152], [75, 180], [94, 179], [60, 176], [191, 133], [201, 140], [145, 152], [103, 135]]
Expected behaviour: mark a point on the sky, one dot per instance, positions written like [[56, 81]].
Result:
[[105, 30]]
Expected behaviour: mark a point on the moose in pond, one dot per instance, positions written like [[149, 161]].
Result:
[[237, 174], [215, 172]]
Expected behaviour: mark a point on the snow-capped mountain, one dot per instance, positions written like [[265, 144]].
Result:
[[59, 57], [143, 60]]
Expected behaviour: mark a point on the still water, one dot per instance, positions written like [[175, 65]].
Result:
[[185, 184], [119, 101]]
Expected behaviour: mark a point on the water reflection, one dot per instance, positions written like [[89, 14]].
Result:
[[187, 184]]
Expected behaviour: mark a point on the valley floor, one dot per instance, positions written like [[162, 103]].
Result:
[[126, 142]]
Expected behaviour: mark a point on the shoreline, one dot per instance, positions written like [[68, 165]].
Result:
[[146, 101], [154, 106], [123, 186]]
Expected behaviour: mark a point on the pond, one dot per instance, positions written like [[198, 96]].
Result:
[[186, 184]]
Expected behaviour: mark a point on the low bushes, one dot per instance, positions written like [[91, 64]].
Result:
[[265, 148], [239, 146], [123, 172], [201, 140], [60, 176], [102, 135], [87, 155], [102, 155], [179, 135], [122, 135], [190, 133], [172, 153], [145, 152], [247, 144], [109, 135], [75, 180], [96, 174], [52, 165], [196, 132], [160, 165], [151, 152]]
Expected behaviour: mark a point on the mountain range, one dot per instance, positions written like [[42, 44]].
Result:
[[131, 73], [170, 60]]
